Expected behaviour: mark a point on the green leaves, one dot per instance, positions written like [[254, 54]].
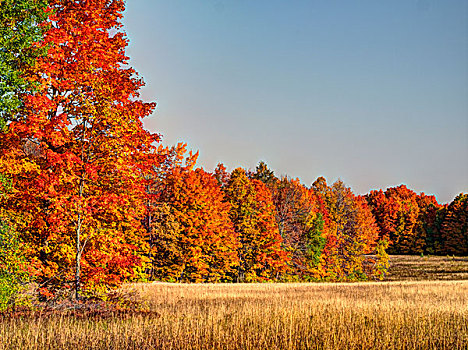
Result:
[[13, 272], [20, 30]]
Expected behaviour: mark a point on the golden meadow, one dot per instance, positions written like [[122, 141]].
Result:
[[373, 315]]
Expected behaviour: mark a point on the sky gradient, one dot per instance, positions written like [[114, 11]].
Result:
[[374, 93]]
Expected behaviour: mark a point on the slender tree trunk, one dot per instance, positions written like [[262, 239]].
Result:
[[85, 154], [78, 258], [150, 234], [79, 248]]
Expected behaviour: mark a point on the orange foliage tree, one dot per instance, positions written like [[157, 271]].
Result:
[[417, 224], [411, 222], [301, 219], [193, 239], [81, 136], [353, 233], [301, 223], [261, 254]]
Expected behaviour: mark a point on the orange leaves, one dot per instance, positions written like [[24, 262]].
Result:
[[86, 198], [199, 232], [399, 217], [261, 254], [352, 232], [85, 173], [416, 223], [192, 237], [277, 230], [367, 230], [297, 217]]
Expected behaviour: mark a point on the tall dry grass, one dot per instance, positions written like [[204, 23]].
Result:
[[392, 315], [424, 268]]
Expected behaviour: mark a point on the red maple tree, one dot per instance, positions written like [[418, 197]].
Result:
[[81, 136]]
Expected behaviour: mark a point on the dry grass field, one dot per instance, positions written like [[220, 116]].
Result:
[[427, 268], [373, 315]]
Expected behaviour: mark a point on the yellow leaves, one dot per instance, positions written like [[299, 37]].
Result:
[[13, 166], [252, 214], [193, 228]]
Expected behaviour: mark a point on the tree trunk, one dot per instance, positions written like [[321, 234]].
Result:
[[78, 259], [79, 248]]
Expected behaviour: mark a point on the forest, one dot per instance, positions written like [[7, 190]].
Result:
[[90, 199]]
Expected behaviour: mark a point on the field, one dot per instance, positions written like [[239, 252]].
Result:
[[374, 315], [427, 268]]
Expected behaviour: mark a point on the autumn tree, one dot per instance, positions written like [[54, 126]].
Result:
[[20, 30], [165, 256], [301, 225], [221, 175], [417, 224], [261, 255], [264, 174], [81, 135], [353, 233], [397, 213], [428, 225], [194, 240], [14, 270], [454, 230], [21, 27], [320, 187], [300, 221], [344, 214]]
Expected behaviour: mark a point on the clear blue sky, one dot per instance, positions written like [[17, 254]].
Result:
[[372, 92]]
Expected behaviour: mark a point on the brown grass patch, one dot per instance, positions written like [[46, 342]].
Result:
[[427, 268]]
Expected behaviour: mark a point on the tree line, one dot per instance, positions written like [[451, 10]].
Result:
[[90, 199]]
